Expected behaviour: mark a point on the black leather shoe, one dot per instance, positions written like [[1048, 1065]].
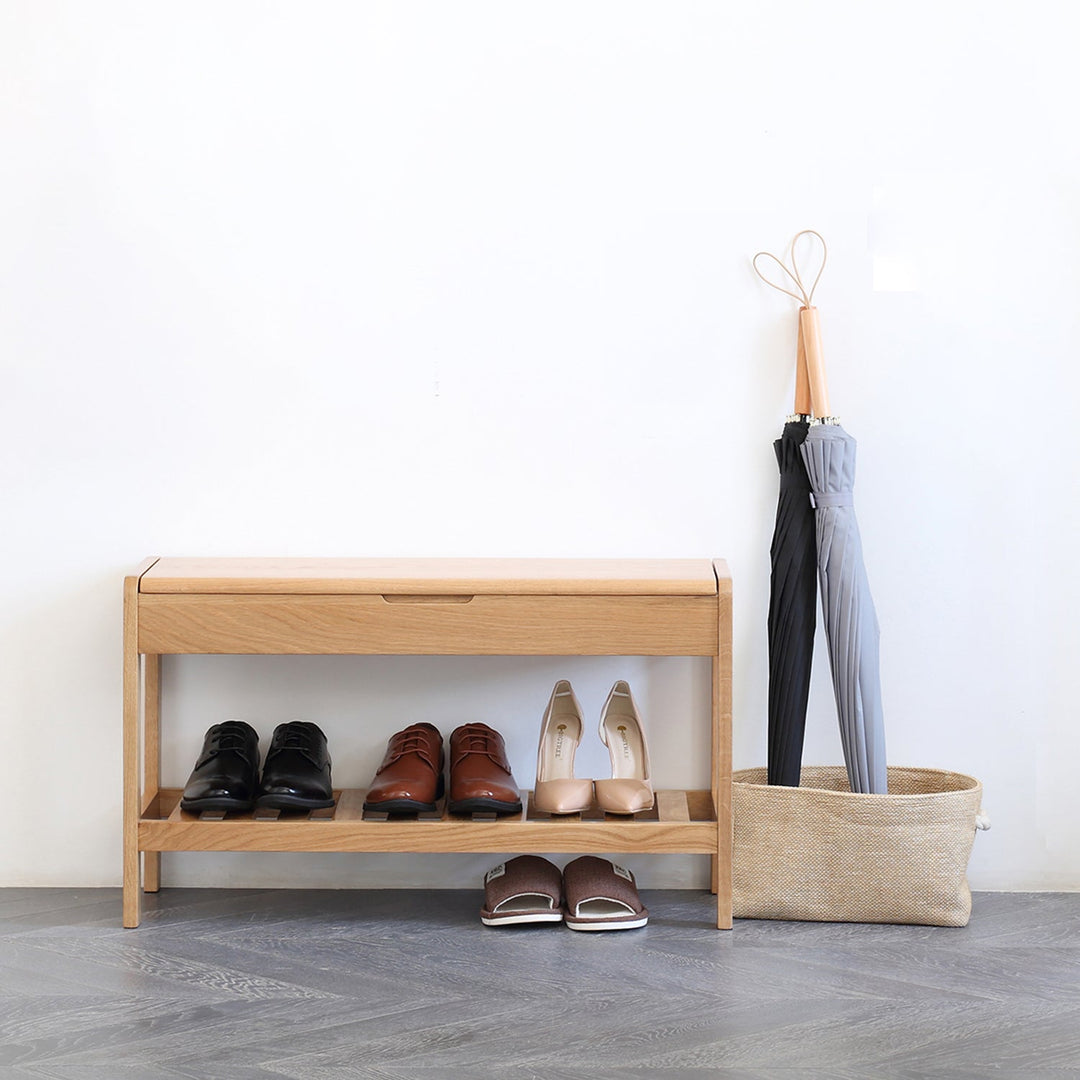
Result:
[[296, 772], [226, 775]]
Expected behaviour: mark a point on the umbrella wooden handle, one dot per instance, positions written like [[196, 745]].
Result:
[[802, 378], [815, 366]]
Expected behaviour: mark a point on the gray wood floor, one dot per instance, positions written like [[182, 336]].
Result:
[[320, 985]]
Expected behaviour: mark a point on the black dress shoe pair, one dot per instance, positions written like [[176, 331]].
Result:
[[295, 774]]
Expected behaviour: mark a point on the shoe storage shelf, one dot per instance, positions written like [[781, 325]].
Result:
[[531, 607]]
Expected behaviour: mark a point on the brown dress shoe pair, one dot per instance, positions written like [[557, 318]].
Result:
[[410, 778]]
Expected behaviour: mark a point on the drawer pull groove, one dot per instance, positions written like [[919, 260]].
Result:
[[405, 598]]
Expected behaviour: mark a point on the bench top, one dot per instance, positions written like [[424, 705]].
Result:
[[450, 576]]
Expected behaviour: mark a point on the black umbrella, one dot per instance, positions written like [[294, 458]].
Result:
[[792, 608], [793, 586]]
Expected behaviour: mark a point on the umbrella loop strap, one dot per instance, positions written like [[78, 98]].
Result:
[[831, 498], [805, 296]]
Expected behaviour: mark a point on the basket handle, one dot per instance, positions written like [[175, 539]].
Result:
[[982, 821]]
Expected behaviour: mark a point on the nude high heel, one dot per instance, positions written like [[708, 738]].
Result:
[[630, 787], [557, 790]]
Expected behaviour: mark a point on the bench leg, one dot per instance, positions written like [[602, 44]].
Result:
[[721, 763], [151, 757], [132, 793]]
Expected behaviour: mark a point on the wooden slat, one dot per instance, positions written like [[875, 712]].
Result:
[[671, 806], [350, 805], [701, 805], [412, 836], [532, 577], [438, 814], [347, 831], [488, 625]]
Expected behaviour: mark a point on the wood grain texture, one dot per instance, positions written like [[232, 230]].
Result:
[[670, 829], [457, 836], [672, 806], [488, 625], [810, 326], [721, 748], [146, 566], [426, 607], [151, 757], [803, 402], [132, 799], [533, 577]]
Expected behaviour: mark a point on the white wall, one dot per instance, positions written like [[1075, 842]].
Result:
[[473, 279]]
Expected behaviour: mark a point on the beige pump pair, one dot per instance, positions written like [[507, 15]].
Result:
[[558, 791]]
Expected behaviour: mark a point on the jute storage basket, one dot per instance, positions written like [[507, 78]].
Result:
[[821, 853]]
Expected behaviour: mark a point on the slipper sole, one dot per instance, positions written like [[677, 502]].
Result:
[[602, 924], [531, 917]]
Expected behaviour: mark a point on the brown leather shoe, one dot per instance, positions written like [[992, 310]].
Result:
[[480, 777], [411, 774]]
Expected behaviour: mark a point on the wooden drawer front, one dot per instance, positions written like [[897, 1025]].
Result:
[[495, 625]]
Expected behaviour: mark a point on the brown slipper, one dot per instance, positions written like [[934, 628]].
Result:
[[601, 896], [527, 889]]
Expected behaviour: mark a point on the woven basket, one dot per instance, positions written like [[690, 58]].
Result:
[[821, 853]]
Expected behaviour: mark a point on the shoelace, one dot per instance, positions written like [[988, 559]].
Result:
[[227, 737], [408, 742], [478, 739], [300, 738]]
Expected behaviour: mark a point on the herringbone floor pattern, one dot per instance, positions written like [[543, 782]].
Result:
[[404, 985]]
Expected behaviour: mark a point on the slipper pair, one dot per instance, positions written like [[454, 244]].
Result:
[[589, 894]]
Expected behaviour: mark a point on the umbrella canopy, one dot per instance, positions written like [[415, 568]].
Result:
[[851, 625], [792, 596], [793, 552]]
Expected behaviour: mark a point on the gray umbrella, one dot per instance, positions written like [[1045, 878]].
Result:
[[851, 625]]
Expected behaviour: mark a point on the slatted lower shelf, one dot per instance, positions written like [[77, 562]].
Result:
[[681, 821]]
